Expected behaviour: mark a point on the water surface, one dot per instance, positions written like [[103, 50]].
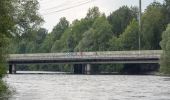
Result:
[[88, 87]]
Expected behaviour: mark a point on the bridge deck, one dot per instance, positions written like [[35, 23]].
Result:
[[145, 56]]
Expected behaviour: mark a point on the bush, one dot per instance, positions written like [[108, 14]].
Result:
[[165, 58]]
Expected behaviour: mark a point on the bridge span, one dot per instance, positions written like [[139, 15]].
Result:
[[87, 58]]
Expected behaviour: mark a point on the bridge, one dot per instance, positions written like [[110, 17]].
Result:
[[85, 58]]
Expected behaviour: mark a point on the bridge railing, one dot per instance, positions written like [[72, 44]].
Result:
[[81, 55]]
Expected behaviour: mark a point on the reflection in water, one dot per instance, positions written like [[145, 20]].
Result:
[[88, 87]]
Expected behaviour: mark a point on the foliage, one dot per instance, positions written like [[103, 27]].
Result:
[[6, 24], [59, 29], [26, 17], [129, 38], [5, 93], [95, 32], [97, 37], [165, 58], [121, 18], [166, 11], [18, 19], [93, 13], [152, 26]]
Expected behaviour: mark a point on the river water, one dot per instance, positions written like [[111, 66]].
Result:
[[88, 87]]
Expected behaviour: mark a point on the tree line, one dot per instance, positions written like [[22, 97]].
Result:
[[20, 30], [95, 32]]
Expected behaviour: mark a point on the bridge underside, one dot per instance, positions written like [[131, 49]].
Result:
[[81, 66], [87, 61]]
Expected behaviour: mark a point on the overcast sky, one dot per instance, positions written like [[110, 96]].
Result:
[[53, 10]]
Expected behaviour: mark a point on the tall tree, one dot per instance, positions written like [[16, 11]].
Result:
[[47, 44], [97, 38], [152, 26], [165, 58], [6, 25], [93, 13], [121, 18], [129, 38], [26, 23], [166, 10], [26, 17], [60, 28], [57, 33]]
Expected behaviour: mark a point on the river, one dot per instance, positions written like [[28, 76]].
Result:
[[88, 87]]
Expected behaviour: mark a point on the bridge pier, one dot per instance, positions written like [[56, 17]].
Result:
[[82, 69], [12, 69], [78, 69], [88, 69]]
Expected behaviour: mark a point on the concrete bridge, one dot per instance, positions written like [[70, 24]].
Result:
[[82, 60]]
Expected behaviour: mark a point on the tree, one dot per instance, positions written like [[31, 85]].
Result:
[[60, 28], [96, 38], [47, 44], [93, 13], [57, 46], [152, 26], [40, 35], [26, 17], [6, 24], [58, 31], [129, 38], [166, 11], [38, 40], [121, 18], [86, 44], [165, 58]]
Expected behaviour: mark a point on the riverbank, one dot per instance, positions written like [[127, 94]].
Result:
[[5, 92], [101, 73]]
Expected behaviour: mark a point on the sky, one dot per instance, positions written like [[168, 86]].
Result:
[[53, 10]]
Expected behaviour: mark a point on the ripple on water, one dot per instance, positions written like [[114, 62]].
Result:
[[89, 87]]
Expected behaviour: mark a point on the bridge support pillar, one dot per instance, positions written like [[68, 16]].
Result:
[[79, 69], [88, 69], [82, 69], [12, 69]]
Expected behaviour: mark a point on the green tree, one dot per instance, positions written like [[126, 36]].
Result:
[[57, 46], [87, 43], [40, 35], [38, 40], [152, 26], [129, 38], [97, 38], [166, 10], [74, 34], [60, 28], [121, 18], [6, 24], [26, 23], [26, 17], [47, 44], [58, 31], [115, 44], [93, 13], [165, 58]]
